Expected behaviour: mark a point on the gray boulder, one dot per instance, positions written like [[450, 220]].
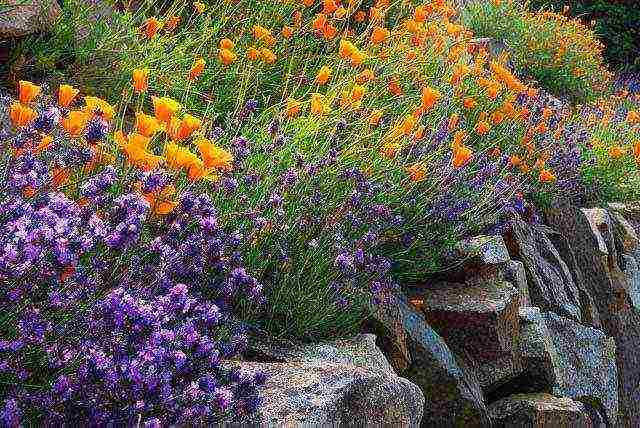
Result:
[[585, 359], [339, 383], [321, 393], [20, 18], [551, 285], [453, 396], [539, 410], [538, 351], [480, 323], [598, 247]]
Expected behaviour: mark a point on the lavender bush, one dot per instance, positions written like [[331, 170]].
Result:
[[110, 314]]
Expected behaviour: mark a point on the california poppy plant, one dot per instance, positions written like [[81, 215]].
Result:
[[164, 108], [21, 115], [27, 91], [140, 77], [66, 95], [151, 27], [196, 69]]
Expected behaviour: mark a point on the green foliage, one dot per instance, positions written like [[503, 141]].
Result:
[[615, 22], [563, 55]]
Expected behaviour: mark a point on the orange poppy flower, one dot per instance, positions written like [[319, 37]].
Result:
[[324, 74], [227, 57], [293, 108], [75, 122], [140, 78], [199, 6], [147, 125], [259, 32], [59, 176], [268, 56], [546, 176], [319, 104], [164, 108], [394, 87], [469, 103], [172, 128], [198, 67], [390, 149], [452, 124], [482, 127], [66, 95], [172, 23], [417, 172], [497, 117], [374, 117], [408, 124], [379, 35], [226, 44], [45, 141], [253, 53], [27, 91], [616, 152], [365, 76], [213, 156], [287, 32], [21, 115], [162, 202], [458, 139], [430, 97], [188, 126], [151, 27], [633, 117], [461, 155]]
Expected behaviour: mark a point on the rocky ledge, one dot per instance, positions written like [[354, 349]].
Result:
[[539, 327]]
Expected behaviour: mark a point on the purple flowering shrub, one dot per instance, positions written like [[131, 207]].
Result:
[[596, 152], [312, 227], [111, 314]]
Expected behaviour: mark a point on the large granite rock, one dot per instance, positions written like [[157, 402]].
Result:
[[585, 360], [321, 393], [20, 18], [516, 274], [453, 396], [386, 323], [338, 383], [541, 371], [598, 250], [551, 285], [539, 411], [480, 323]]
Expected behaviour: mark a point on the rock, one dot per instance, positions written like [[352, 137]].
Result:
[[452, 394], [338, 382], [538, 351], [483, 250], [478, 322], [592, 233], [20, 18], [586, 364], [386, 324], [588, 307], [475, 260], [539, 411], [551, 285], [515, 273], [324, 393], [359, 351], [629, 249]]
